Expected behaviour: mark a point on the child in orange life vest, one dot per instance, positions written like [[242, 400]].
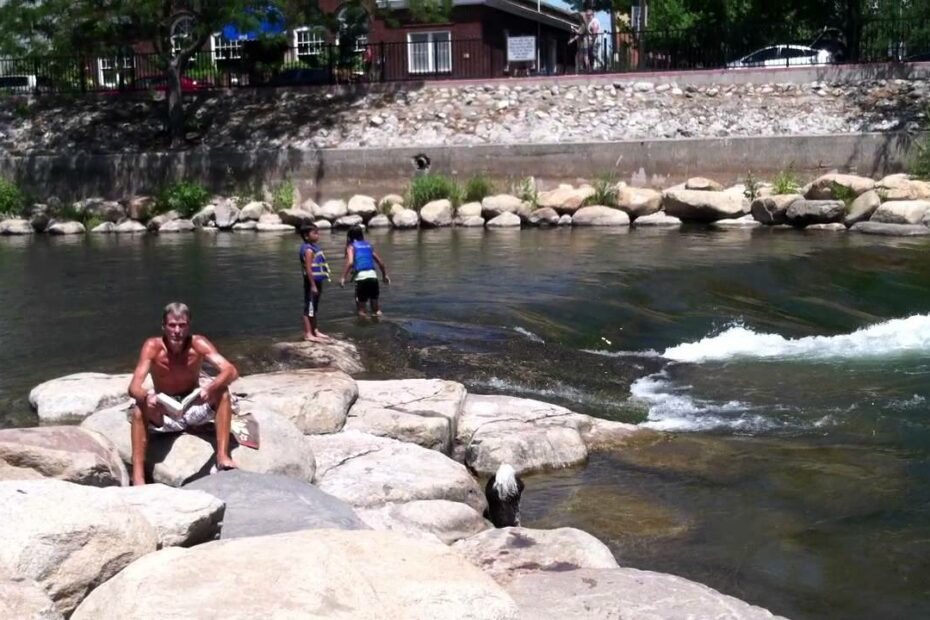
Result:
[[315, 272], [362, 258]]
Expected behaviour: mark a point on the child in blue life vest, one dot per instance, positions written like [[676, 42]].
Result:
[[361, 259], [315, 272]]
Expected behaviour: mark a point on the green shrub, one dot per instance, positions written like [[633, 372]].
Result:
[[605, 192], [478, 188], [752, 186], [525, 190], [92, 222], [841, 192], [12, 199], [429, 187], [785, 183], [282, 197], [919, 164], [185, 197]]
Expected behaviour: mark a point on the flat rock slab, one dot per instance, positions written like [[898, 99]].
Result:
[[74, 397], [338, 354], [181, 518], [176, 459], [445, 520], [24, 599], [309, 574], [703, 206], [659, 219], [263, 504], [367, 471], [314, 400], [600, 216], [623, 593], [420, 411], [67, 453], [891, 230], [67, 537], [508, 552]]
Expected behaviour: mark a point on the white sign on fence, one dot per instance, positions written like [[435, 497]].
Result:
[[521, 49]]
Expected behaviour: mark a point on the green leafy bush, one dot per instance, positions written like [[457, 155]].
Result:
[[841, 192], [752, 185], [12, 199], [525, 190], [429, 187], [477, 188], [185, 197], [92, 222], [282, 197], [605, 192], [785, 183], [919, 164]]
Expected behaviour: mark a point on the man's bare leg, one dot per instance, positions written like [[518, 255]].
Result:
[[360, 309], [140, 440], [223, 422], [376, 307]]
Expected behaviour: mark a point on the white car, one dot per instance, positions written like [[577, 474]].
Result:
[[783, 56]]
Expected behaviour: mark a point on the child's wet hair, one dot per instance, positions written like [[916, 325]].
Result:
[[355, 234]]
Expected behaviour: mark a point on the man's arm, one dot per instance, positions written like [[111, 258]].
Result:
[[350, 258], [143, 366], [380, 264], [227, 372], [308, 268]]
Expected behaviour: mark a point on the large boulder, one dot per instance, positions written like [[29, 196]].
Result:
[[821, 188], [379, 221], [747, 221], [267, 227], [901, 212], [67, 537], [891, 230], [505, 220], [862, 208], [315, 400], [367, 471], [348, 221], [565, 198], [600, 216], [104, 227], [226, 214], [106, 210], [338, 354], [74, 397], [16, 227], [492, 206], [530, 435], [363, 206], [67, 453], [254, 210], [296, 217], [902, 187], [160, 220], [447, 521], [333, 209], [703, 184], [547, 216], [130, 227], [659, 220], [803, 213], [436, 214], [177, 226], [66, 228], [420, 411], [391, 200], [245, 226], [771, 210], [140, 207], [176, 459], [205, 217], [308, 574], [472, 221], [181, 518], [507, 552], [406, 218], [638, 202], [263, 504], [615, 593], [701, 206], [24, 599], [469, 209]]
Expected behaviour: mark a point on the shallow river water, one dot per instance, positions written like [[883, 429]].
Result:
[[791, 370]]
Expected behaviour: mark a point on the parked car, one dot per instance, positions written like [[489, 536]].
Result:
[[783, 56], [300, 77], [158, 83]]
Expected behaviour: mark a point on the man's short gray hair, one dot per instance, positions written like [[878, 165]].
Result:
[[176, 308]]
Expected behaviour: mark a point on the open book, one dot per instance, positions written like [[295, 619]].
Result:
[[175, 407]]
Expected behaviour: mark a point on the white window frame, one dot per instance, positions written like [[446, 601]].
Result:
[[109, 64], [432, 46], [224, 49], [314, 44], [181, 33]]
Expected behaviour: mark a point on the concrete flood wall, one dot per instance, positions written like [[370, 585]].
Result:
[[324, 173]]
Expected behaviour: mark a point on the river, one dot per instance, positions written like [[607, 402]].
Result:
[[789, 368]]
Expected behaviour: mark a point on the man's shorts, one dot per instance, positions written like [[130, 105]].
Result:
[[367, 290], [197, 415], [311, 301]]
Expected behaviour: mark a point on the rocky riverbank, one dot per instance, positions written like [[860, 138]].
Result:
[[893, 205], [362, 501], [507, 113]]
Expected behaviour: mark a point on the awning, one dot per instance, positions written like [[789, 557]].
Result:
[[271, 22]]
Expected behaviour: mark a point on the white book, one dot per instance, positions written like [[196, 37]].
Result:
[[177, 407]]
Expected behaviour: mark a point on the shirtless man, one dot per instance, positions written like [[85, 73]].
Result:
[[174, 361]]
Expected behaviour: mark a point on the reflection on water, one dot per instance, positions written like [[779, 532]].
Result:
[[797, 482]]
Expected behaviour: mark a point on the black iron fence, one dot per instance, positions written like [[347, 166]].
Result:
[[440, 57]]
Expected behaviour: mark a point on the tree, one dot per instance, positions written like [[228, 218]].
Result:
[[176, 28]]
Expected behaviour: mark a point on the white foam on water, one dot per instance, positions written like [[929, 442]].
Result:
[[529, 334], [672, 410], [556, 390], [892, 338], [647, 353]]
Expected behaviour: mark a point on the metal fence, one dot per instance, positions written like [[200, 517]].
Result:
[[322, 63]]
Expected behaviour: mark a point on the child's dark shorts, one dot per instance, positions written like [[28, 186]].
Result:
[[367, 290], [311, 301]]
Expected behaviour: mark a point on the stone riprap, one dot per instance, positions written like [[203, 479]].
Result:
[[66, 453], [474, 114]]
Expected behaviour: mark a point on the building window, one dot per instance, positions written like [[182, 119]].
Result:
[[429, 52], [309, 42], [109, 70], [224, 49], [181, 34]]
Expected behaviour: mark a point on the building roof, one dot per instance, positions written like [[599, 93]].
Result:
[[546, 14]]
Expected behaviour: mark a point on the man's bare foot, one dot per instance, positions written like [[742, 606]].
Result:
[[323, 337], [138, 482], [363, 315], [378, 314], [226, 464], [312, 338]]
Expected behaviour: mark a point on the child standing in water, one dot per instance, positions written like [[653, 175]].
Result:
[[316, 272], [361, 258]]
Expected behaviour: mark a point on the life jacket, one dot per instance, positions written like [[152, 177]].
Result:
[[364, 256], [319, 268]]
